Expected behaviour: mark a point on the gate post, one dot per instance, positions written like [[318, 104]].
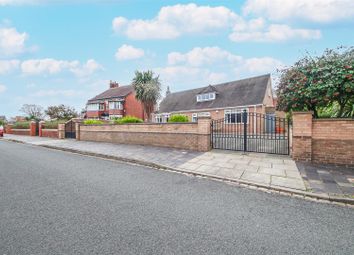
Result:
[[302, 136], [244, 119], [77, 130], [204, 133], [33, 128], [41, 126], [61, 131]]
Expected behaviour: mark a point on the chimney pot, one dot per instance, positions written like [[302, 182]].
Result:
[[113, 84]]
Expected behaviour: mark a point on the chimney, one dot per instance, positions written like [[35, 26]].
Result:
[[113, 84], [168, 91]]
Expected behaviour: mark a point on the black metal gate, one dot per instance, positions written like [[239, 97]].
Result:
[[253, 132], [70, 131]]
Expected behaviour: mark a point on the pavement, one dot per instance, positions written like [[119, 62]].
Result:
[[55, 202], [265, 170]]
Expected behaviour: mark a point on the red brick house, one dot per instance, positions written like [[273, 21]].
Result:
[[116, 102]]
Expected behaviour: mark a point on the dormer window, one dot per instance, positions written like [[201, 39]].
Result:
[[206, 97]]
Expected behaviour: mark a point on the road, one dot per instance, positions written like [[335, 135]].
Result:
[[54, 202]]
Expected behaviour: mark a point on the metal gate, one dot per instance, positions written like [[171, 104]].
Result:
[[252, 132], [70, 131]]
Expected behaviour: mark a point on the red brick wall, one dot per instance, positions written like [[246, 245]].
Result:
[[323, 140], [94, 114], [333, 141], [52, 133], [21, 131], [133, 107], [190, 136]]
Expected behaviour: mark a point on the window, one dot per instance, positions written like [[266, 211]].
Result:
[[158, 118], [206, 97], [101, 107], [235, 116], [115, 105], [93, 107], [194, 117]]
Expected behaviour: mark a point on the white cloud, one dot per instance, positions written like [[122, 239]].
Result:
[[257, 31], [173, 21], [202, 56], [201, 66], [53, 66], [55, 93], [7, 66], [2, 88], [90, 67], [11, 41], [128, 52], [260, 65], [186, 75], [313, 10]]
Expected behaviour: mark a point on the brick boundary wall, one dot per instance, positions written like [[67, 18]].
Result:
[[189, 136], [51, 133], [329, 141]]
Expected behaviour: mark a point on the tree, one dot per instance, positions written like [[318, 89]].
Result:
[[147, 90], [61, 112], [319, 84], [32, 111]]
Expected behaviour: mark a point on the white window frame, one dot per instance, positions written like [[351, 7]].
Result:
[[117, 105], [206, 97], [235, 111], [93, 107], [194, 117]]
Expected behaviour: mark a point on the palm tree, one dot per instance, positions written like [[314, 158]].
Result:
[[147, 90]]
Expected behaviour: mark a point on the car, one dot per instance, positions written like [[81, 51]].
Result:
[[1, 131]]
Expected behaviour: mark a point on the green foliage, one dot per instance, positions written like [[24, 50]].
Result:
[[2, 123], [147, 90], [323, 84], [178, 118], [128, 119], [21, 125], [61, 112], [93, 122], [53, 124]]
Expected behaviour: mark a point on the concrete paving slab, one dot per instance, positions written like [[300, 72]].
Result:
[[288, 182], [272, 171], [256, 177]]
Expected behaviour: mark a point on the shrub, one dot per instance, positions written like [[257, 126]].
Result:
[[178, 118], [53, 124], [21, 125], [93, 122], [2, 123], [128, 119]]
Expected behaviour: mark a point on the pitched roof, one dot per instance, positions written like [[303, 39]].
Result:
[[249, 91], [119, 92]]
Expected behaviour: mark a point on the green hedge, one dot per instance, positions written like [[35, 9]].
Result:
[[53, 124], [21, 125], [178, 118], [128, 119], [93, 122]]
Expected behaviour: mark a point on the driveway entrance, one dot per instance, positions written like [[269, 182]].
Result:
[[251, 132]]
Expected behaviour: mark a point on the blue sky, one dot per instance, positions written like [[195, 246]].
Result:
[[57, 51]]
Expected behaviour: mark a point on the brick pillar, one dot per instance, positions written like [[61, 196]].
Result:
[[77, 130], [61, 131], [33, 127], [204, 133], [41, 126], [302, 136], [8, 129]]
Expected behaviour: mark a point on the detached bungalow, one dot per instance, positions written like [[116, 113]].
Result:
[[226, 100]]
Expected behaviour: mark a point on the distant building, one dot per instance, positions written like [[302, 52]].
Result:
[[116, 102]]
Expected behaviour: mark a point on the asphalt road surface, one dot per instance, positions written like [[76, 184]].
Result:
[[54, 202]]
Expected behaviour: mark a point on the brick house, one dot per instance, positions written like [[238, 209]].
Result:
[[226, 100], [116, 102]]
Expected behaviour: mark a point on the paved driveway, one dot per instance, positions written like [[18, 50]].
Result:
[[54, 202]]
